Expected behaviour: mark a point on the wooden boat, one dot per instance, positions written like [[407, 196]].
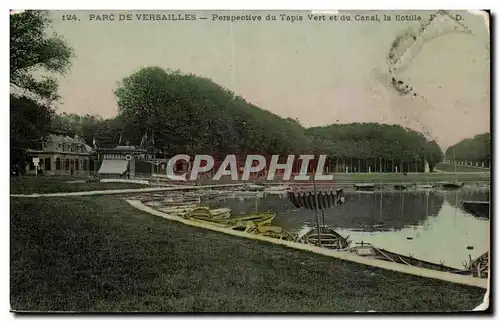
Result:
[[366, 249], [277, 190], [178, 210], [424, 186], [321, 200], [452, 185], [260, 218], [480, 266], [364, 187], [253, 187], [205, 213], [153, 203], [327, 238], [181, 200], [271, 231], [248, 194], [477, 208]]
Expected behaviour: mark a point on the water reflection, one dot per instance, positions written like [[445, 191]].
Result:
[[455, 198], [361, 211], [428, 225]]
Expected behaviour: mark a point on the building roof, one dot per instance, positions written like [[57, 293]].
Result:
[[123, 148], [68, 140]]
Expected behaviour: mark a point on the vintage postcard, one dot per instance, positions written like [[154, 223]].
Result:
[[249, 161]]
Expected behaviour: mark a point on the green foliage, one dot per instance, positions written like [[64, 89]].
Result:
[[32, 49], [194, 115], [88, 127], [28, 124], [476, 149], [386, 145], [190, 114]]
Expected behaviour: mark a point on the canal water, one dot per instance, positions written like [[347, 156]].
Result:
[[429, 225]]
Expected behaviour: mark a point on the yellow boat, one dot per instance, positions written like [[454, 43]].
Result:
[[178, 210], [328, 238], [271, 231], [260, 219], [205, 213], [221, 217]]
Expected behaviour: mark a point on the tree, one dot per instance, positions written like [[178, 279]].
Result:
[[476, 149], [191, 114], [28, 126], [33, 49], [376, 145]]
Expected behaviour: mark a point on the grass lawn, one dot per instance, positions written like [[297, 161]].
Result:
[[48, 184], [100, 254], [459, 168]]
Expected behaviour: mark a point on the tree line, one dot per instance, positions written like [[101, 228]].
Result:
[[185, 113], [475, 149]]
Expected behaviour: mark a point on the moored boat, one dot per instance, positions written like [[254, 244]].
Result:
[[366, 249], [181, 200], [178, 210], [452, 185], [364, 187], [277, 190], [477, 208], [259, 218], [269, 231], [320, 200], [248, 194], [424, 186], [253, 187], [205, 213], [480, 266], [327, 238]]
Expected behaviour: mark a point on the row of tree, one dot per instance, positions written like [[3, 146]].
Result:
[[190, 114], [187, 114], [373, 141], [476, 149]]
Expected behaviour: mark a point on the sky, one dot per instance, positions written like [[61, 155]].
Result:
[[319, 72]]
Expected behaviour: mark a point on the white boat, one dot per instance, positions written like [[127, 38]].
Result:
[[424, 186], [205, 213], [277, 190], [181, 209], [180, 200], [253, 187], [248, 194]]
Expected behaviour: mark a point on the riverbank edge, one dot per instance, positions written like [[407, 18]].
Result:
[[417, 271], [345, 186]]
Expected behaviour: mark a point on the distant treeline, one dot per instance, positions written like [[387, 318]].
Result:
[[476, 149], [187, 114], [190, 114]]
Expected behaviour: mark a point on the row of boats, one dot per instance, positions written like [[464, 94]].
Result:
[[260, 223], [404, 186]]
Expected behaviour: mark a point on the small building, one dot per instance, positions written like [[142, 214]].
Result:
[[123, 162], [62, 155]]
